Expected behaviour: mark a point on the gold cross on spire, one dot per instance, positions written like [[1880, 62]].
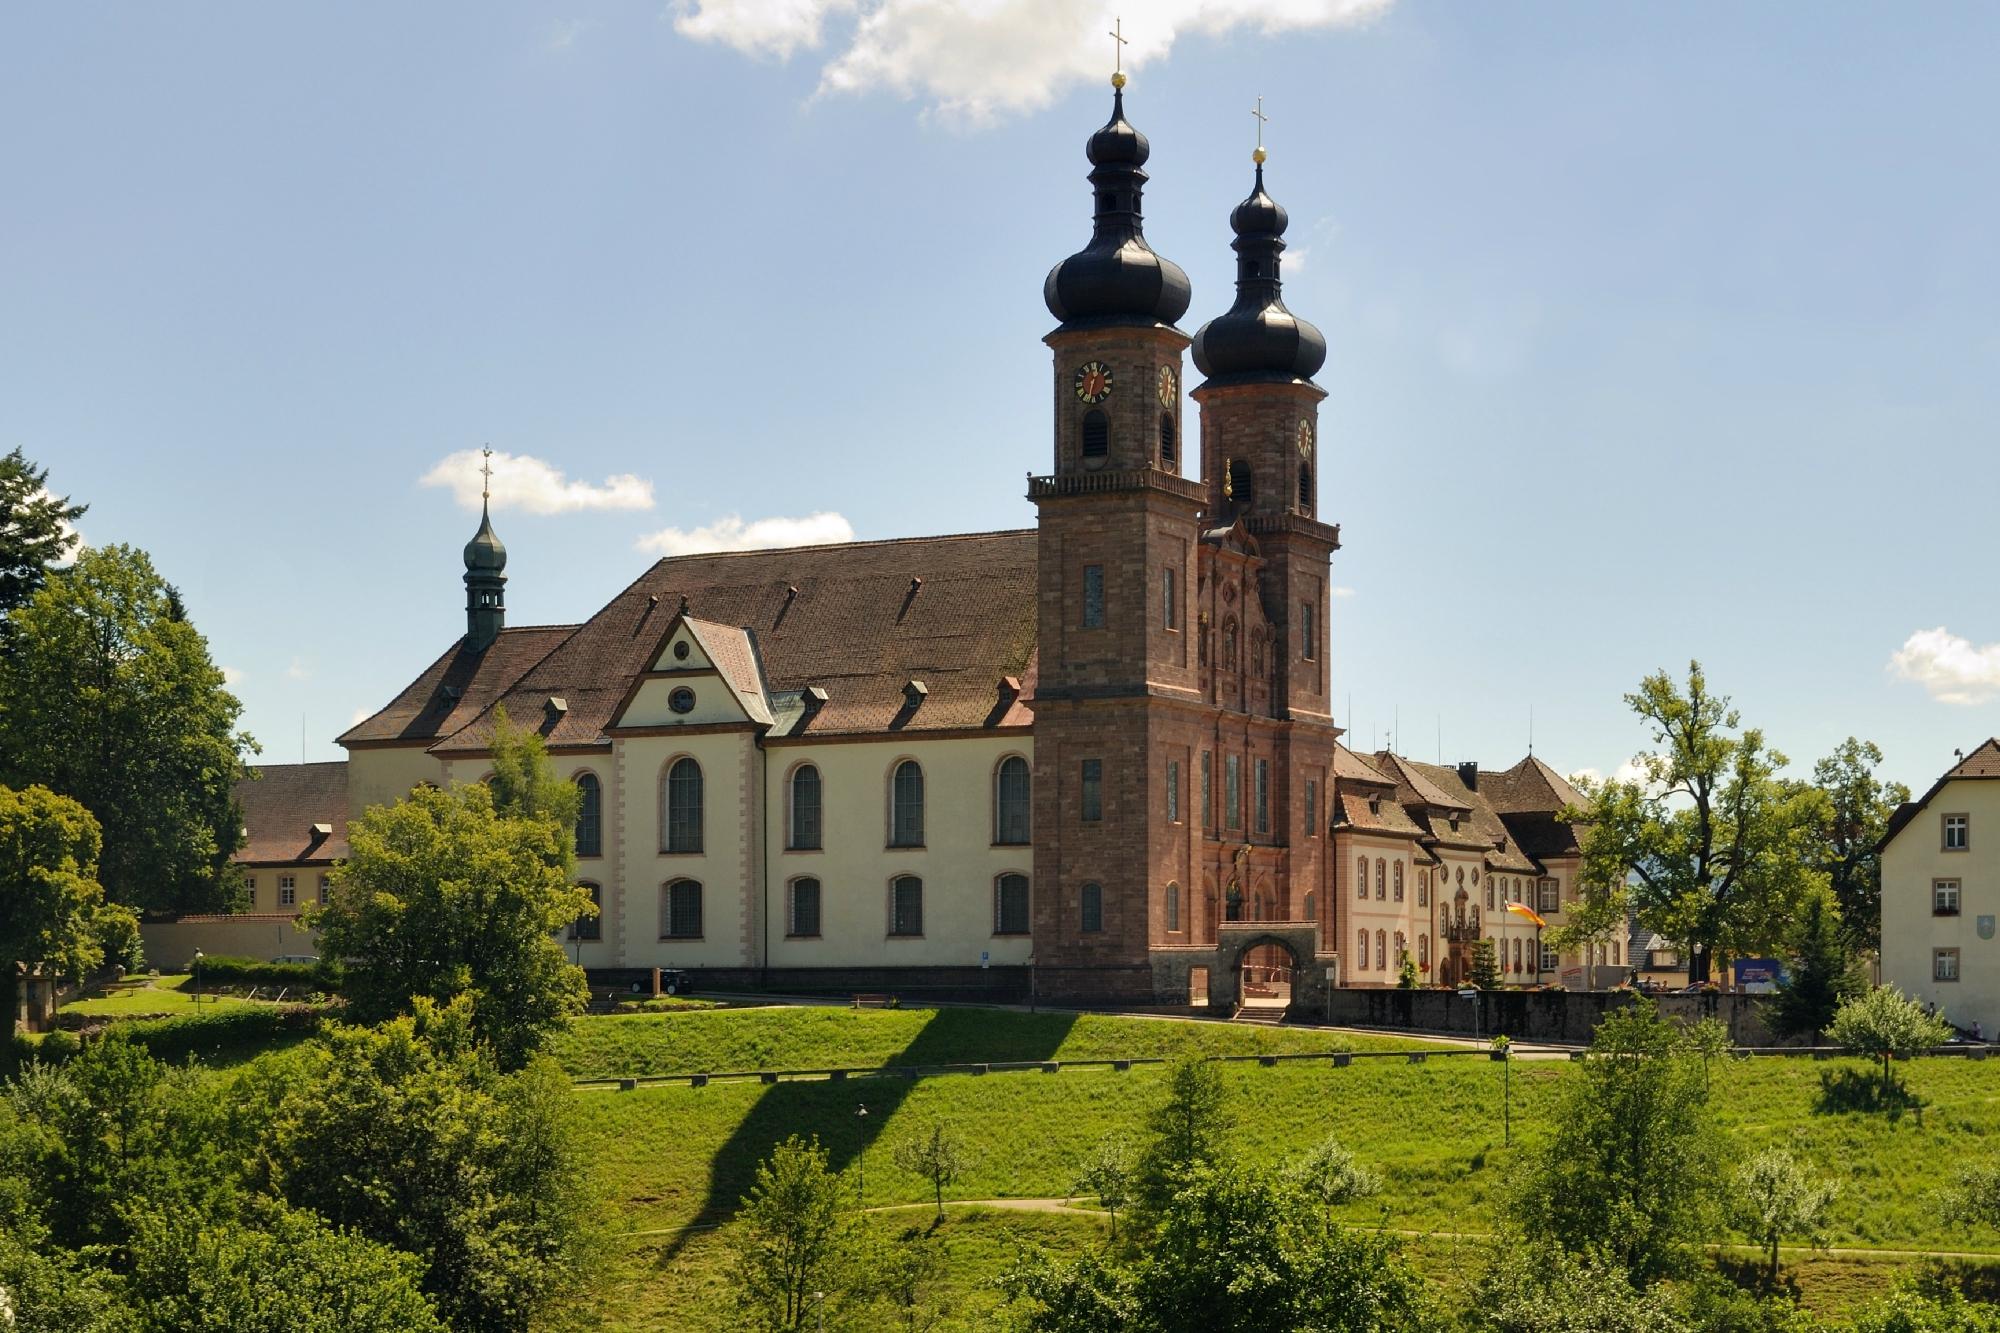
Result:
[[486, 475], [1117, 35], [1258, 112]]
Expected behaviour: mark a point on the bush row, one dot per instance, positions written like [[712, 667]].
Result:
[[205, 1036], [225, 970]]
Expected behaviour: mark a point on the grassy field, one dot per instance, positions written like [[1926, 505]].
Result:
[[676, 1159], [167, 995]]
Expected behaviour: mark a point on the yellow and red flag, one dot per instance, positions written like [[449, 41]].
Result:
[[1522, 909]]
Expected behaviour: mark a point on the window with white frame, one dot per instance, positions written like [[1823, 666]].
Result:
[[1399, 881], [1548, 896], [1944, 965], [1381, 880], [288, 891], [1361, 877], [1957, 832], [1549, 960], [1944, 897], [250, 889]]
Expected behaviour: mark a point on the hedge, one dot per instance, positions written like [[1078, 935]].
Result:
[[203, 1036], [225, 970]]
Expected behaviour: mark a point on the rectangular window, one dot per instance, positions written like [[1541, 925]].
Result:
[[1549, 898], [906, 906], [1093, 790], [288, 891], [1944, 965], [1232, 791], [250, 889], [805, 908], [1170, 601], [590, 926], [1308, 631], [683, 910], [1312, 808], [1957, 832], [1093, 596], [1944, 897], [323, 889], [1173, 791], [1207, 789], [1550, 962], [1010, 905], [1174, 908], [1093, 908], [1263, 796]]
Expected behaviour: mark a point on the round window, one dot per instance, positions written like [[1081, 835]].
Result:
[[681, 651], [681, 700]]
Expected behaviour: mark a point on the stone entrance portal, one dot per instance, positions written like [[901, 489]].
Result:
[[1253, 957]]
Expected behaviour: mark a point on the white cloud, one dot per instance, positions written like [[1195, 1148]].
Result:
[[976, 62], [1629, 771], [360, 715], [1295, 259], [298, 670], [231, 677], [1952, 669], [521, 481], [1340, 591], [731, 533], [72, 542], [564, 32]]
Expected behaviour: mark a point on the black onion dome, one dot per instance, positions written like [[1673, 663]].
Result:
[[484, 553], [1117, 279], [1258, 339]]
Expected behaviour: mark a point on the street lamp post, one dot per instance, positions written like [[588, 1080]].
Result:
[[860, 1159], [197, 977]]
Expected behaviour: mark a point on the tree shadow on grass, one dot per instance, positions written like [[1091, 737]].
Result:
[[1753, 1274], [1845, 1090], [829, 1109]]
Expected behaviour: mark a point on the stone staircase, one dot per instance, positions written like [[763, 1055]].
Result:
[[1260, 1015]]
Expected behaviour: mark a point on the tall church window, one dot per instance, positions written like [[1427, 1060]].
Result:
[[805, 810], [1308, 631], [1232, 791], [1173, 791], [1169, 455], [1311, 908], [1093, 596], [906, 905], [803, 919], [589, 816], [1096, 438], [1305, 488], [1093, 791], [1170, 598], [906, 805], [1239, 482], [1312, 808], [680, 910], [1263, 796], [1010, 801], [1174, 908], [682, 823], [1092, 904], [1010, 905], [590, 925]]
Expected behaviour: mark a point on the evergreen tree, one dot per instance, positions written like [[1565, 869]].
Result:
[[1485, 969], [35, 531], [1406, 971], [1822, 974], [1186, 1132]]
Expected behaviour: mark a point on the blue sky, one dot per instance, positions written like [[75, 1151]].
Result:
[[1656, 332]]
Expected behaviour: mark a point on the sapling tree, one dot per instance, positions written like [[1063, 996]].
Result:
[[936, 1154], [1776, 1197]]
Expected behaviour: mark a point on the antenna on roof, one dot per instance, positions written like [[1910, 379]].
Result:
[[1531, 731]]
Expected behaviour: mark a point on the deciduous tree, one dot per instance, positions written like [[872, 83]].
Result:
[[1108, 1176], [1884, 1024], [51, 907], [1776, 1197], [1709, 846], [1852, 821], [935, 1153], [108, 696], [798, 1250]]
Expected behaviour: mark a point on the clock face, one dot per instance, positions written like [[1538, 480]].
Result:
[[1166, 386], [1093, 382], [1305, 439]]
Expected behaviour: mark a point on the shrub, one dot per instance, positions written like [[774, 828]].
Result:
[[207, 1035], [226, 970], [57, 1046]]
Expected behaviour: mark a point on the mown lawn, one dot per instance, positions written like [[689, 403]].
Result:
[[167, 995], [726, 1040]]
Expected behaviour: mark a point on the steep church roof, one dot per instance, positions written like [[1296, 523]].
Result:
[[456, 688]]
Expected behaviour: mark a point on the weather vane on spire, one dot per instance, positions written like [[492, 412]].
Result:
[[1117, 35], [1258, 112], [486, 475]]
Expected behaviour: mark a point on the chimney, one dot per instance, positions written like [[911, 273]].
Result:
[[1468, 773]]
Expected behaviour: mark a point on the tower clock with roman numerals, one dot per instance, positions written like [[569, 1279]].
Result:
[[1093, 382]]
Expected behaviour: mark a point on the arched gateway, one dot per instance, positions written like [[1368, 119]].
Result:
[[1262, 948]]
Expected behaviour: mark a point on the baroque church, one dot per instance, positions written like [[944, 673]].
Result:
[[1094, 760]]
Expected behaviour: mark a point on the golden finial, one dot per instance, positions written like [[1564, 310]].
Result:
[[1117, 35], [486, 475], [1258, 112]]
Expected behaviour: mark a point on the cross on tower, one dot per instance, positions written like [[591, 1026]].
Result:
[[486, 474], [1258, 112], [1117, 35]]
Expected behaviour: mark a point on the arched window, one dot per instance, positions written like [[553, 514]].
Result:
[[1361, 877], [1381, 951], [590, 925], [805, 810], [1381, 880], [906, 805], [906, 905], [802, 908], [1239, 481], [1169, 455], [1010, 802], [1010, 905], [1399, 881], [589, 816], [1305, 488], [1361, 953], [1091, 901], [1173, 907], [680, 822], [1096, 436], [680, 910]]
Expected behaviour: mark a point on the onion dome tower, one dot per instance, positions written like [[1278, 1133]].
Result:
[[485, 577], [1257, 339]]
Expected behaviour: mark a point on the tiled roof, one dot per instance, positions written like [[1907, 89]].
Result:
[[1351, 767], [1415, 782], [1983, 762], [1388, 816], [282, 802], [1528, 785], [858, 620], [456, 688], [1480, 827], [1541, 835]]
